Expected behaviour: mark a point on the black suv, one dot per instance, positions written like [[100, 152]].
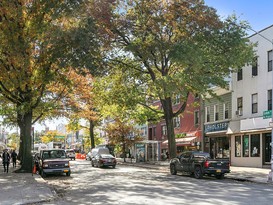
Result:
[[53, 161]]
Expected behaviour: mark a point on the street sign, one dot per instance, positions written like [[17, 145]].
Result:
[[60, 137], [267, 114]]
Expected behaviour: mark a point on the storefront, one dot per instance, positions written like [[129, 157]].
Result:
[[251, 145], [216, 140]]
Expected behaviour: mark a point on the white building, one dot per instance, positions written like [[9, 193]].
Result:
[[251, 99]]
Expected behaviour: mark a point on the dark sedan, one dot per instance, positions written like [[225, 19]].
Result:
[[104, 160]]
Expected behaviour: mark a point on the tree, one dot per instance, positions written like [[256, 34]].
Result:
[[118, 133], [40, 42], [176, 48]]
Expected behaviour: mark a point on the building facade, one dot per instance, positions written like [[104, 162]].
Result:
[[252, 106]]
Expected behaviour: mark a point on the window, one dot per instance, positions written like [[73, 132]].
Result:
[[176, 100], [255, 67], [270, 57], [164, 130], [245, 146], [196, 117], [238, 146], [269, 100], [255, 145], [240, 74], [207, 110], [240, 104], [176, 122], [225, 108], [216, 112], [254, 103], [154, 131]]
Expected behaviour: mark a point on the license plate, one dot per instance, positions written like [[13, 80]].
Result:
[[218, 170], [109, 160], [65, 170]]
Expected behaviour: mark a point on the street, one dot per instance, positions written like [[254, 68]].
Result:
[[133, 185]]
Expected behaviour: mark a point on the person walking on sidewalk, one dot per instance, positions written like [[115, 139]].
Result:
[[6, 159], [14, 158]]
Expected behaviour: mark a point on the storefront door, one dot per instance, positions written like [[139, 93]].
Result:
[[267, 148], [219, 147]]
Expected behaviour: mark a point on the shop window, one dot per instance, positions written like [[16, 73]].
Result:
[[245, 146], [238, 146], [255, 145]]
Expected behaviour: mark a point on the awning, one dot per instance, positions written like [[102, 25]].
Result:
[[182, 141]]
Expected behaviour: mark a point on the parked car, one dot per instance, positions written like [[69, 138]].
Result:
[[88, 156], [70, 153], [53, 161], [199, 164], [103, 160]]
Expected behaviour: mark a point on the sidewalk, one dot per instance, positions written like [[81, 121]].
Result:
[[22, 188], [257, 175]]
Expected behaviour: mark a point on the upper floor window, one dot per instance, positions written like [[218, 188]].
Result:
[[240, 106], [270, 58], [255, 67], [207, 114], [154, 131], [269, 100], [176, 100], [196, 117], [240, 74], [176, 122], [254, 98], [216, 112], [164, 130], [225, 109]]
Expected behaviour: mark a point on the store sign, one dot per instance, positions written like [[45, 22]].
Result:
[[216, 127]]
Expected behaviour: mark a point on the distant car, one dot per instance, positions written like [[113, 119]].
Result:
[[88, 156], [70, 153], [103, 160], [53, 161]]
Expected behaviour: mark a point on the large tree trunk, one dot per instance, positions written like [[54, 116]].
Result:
[[91, 131], [168, 116], [24, 123]]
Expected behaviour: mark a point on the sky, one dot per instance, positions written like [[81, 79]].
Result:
[[258, 13]]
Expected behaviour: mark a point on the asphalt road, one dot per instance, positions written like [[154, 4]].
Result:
[[127, 185]]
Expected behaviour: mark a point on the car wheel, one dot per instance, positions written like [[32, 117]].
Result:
[[173, 169], [114, 166], [43, 174], [220, 176], [198, 174], [92, 163], [68, 174]]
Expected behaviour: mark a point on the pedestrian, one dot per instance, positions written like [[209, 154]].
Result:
[[6, 160], [14, 158]]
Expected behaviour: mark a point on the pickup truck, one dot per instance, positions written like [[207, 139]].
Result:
[[199, 164]]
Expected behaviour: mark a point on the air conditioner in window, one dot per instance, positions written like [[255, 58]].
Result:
[[238, 113]]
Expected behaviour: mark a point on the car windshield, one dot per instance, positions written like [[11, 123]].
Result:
[[53, 154]]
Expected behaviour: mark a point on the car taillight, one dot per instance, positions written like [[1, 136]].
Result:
[[206, 164]]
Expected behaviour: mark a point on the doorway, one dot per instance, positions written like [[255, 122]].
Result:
[[267, 148]]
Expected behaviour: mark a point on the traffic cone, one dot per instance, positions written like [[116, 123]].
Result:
[[34, 169]]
